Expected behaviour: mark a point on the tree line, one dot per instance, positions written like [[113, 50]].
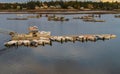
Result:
[[63, 5]]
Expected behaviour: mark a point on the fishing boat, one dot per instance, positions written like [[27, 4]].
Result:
[[117, 16], [93, 20], [17, 18]]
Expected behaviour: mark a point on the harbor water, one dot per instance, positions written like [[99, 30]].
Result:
[[100, 57]]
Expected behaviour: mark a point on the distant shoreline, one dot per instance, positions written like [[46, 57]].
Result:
[[59, 12]]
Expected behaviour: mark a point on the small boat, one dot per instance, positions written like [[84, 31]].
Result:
[[93, 20], [10, 43], [34, 16], [19, 14], [76, 17], [99, 21], [89, 20], [55, 18], [86, 17], [117, 16], [17, 18]]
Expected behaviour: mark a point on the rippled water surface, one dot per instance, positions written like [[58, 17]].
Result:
[[101, 57]]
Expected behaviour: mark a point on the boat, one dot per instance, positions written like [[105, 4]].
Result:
[[34, 16], [76, 17], [86, 17], [117, 16], [19, 15], [17, 18], [56, 18], [93, 20]]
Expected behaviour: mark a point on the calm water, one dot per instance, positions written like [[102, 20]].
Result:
[[101, 57]]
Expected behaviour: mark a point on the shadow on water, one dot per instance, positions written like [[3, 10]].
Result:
[[6, 50]]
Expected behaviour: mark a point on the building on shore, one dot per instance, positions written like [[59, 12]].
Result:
[[108, 0]]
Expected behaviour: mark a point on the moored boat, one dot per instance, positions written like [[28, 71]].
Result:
[[17, 18]]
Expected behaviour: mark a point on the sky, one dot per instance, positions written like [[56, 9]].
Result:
[[44, 0]]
